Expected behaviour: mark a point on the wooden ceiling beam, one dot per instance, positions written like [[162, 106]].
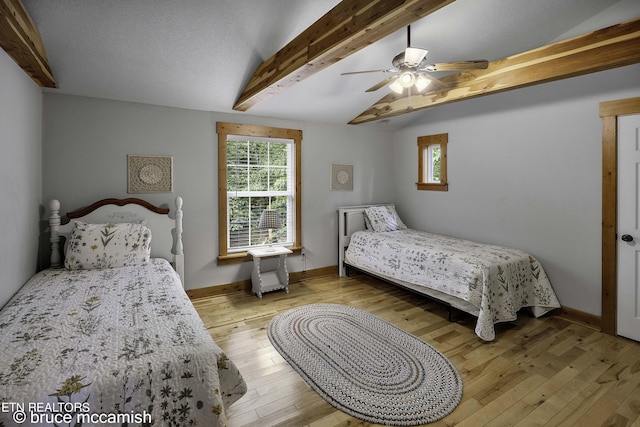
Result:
[[20, 38], [610, 47], [348, 27]]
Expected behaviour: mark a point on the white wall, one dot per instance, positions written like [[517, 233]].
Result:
[[86, 142], [20, 175], [524, 170]]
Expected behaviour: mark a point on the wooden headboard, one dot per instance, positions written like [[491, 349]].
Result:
[[350, 220], [166, 231]]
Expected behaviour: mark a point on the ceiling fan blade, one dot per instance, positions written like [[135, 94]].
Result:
[[435, 84], [478, 64], [368, 71], [381, 84], [413, 56]]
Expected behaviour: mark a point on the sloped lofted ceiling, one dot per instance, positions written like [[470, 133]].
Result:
[[201, 54]]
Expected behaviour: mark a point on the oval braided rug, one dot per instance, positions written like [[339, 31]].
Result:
[[365, 366]]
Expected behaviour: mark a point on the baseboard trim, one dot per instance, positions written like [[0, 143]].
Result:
[[214, 291], [299, 276], [577, 316], [245, 285]]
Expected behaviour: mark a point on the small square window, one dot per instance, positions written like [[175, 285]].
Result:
[[432, 162]]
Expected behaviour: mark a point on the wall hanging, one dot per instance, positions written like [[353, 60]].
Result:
[[150, 174], [341, 177]]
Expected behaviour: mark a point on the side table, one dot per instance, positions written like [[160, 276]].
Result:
[[270, 280]]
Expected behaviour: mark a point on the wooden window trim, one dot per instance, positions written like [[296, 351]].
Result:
[[224, 129], [423, 143], [432, 186]]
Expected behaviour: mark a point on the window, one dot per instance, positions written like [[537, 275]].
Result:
[[258, 168], [432, 162]]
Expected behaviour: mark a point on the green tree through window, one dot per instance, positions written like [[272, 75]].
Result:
[[436, 163], [258, 177]]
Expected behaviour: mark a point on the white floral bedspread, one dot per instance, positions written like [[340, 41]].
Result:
[[497, 280], [95, 345]]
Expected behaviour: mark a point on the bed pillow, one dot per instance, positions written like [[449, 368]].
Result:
[[383, 218], [98, 246]]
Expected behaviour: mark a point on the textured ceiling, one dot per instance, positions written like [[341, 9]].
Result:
[[199, 54]]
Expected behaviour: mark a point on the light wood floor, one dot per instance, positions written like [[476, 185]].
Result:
[[538, 372]]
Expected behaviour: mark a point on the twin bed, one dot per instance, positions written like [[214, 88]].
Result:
[[111, 337], [490, 282]]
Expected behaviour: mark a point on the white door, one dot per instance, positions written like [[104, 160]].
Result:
[[628, 320]]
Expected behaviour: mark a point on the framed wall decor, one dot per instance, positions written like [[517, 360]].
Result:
[[341, 177], [150, 174]]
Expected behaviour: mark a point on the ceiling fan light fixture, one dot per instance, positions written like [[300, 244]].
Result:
[[407, 79], [422, 82], [396, 86]]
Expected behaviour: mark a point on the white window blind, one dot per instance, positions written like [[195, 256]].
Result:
[[259, 176]]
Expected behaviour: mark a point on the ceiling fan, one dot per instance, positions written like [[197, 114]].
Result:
[[411, 70]]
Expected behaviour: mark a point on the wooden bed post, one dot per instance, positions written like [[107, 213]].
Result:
[[177, 236], [54, 227]]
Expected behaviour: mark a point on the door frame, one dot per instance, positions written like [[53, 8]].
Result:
[[609, 112]]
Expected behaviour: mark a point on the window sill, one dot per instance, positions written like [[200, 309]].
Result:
[[239, 257], [432, 186]]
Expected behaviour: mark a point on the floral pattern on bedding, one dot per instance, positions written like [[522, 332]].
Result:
[[99, 246], [498, 281], [124, 340]]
